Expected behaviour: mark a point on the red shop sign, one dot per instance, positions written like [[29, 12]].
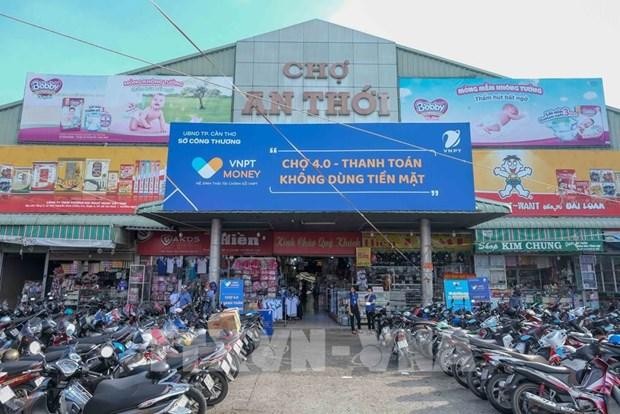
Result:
[[195, 243], [316, 243]]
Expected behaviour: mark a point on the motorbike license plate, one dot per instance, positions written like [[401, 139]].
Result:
[[402, 344], [229, 359], [237, 347], [485, 374], [509, 379], [38, 381], [6, 394], [225, 367], [208, 382]]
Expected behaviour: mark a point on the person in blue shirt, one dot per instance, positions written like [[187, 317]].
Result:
[[370, 298], [180, 299], [354, 310]]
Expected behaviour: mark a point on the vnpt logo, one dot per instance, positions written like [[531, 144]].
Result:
[[207, 169], [451, 141]]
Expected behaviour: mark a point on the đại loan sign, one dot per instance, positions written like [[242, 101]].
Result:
[[551, 183]]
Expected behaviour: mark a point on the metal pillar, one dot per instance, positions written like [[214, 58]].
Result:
[[215, 252], [426, 253], [45, 271]]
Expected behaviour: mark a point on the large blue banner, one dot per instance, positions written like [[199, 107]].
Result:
[[456, 292], [231, 293], [479, 290], [366, 167]]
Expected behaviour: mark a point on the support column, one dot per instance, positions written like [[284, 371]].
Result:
[[215, 251], [45, 270], [426, 253]]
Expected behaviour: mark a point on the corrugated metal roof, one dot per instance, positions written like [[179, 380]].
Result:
[[552, 222], [126, 221]]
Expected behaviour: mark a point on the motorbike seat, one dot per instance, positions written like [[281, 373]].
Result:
[[180, 361], [17, 367], [94, 340], [485, 343], [531, 358], [110, 400], [121, 384], [549, 369], [200, 349]]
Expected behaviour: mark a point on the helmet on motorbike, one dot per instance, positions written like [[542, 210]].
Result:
[[10, 355], [68, 311], [614, 339], [5, 319]]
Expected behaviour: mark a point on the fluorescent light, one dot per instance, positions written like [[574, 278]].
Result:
[[318, 223]]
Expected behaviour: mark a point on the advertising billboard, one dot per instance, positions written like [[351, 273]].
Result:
[[79, 179], [551, 183], [512, 112], [130, 109], [235, 243], [456, 293], [383, 167]]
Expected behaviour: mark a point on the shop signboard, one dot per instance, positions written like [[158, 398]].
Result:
[[316, 243], [124, 109], [231, 293], [363, 257], [257, 168], [411, 241], [566, 246], [479, 290], [551, 182], [233, 243], [512, 112], [80, 179], [456, 292]]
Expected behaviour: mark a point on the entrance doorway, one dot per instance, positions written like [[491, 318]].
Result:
[[17, 270]]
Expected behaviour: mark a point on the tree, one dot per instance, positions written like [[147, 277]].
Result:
[[198, 92]]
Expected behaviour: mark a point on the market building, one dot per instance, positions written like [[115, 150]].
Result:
[[78, 201]]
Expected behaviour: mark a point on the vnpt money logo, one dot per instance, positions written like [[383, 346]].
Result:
[[207, 169]]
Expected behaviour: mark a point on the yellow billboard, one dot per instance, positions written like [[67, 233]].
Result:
[[550, 182], [80, 179]]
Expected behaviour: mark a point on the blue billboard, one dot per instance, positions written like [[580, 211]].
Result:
[[479, 290], [344, 168], [456, 292], [231, 293]]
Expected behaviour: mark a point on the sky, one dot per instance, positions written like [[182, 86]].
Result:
[[520, 39]]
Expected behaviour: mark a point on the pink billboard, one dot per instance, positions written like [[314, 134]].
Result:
[[123, 109]]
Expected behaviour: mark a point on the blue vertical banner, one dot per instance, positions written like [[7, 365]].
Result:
[[231, 293], [319, 167], [456, 292], [479, 290]]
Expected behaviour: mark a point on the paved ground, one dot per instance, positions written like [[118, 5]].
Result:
[[315, 366]]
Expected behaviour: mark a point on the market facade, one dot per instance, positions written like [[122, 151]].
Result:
[[116, 217]]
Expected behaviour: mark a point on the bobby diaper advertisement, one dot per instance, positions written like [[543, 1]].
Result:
[[512, 112], [80, 179], [129, 109], [550, 182]]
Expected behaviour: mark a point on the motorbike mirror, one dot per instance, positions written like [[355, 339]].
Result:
[[34, 348], [107, 351]]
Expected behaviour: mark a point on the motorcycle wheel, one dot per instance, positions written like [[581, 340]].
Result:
[[220, 388], [520, 405], [459, 374], [474, 382], [495, 393], [442, 358], [423, 341], [197, 401], [237, 367]]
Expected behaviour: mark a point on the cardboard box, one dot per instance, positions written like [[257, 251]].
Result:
[[228, 320]]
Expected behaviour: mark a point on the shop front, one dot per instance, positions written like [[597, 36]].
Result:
[[547, 264]]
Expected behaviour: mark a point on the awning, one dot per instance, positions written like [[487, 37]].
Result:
[[72, 230], [552, 222], [552, 240], [92, 236]]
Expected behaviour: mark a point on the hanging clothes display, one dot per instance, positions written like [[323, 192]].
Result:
[[291, 303], [276, 306]]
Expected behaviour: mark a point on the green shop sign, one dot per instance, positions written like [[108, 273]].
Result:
[[539, 246], [538, 240]]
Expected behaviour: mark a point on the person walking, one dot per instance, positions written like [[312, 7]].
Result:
[[354, 310], [370, 298]]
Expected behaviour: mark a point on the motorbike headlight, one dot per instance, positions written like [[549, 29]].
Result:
[[107, 351], [34, 348]]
